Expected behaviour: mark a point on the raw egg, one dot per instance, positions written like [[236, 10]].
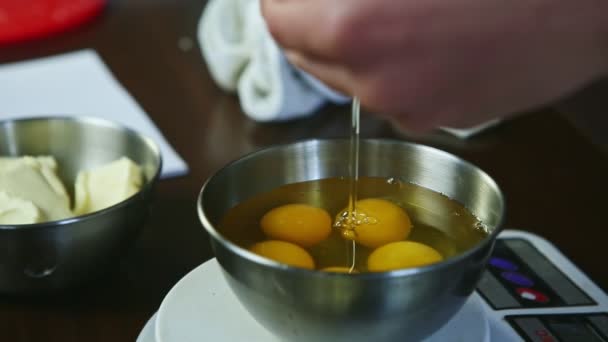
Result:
[[301, 224], [402, 254], [284, 252], [378, 222]]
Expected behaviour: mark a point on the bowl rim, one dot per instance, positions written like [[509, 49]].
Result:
[[244, 253], [98, 122]]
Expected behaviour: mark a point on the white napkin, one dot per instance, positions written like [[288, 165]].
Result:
[[77, 84], [243, 57]]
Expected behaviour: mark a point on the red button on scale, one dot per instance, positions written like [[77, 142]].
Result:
[[22, 20], [532, 295]]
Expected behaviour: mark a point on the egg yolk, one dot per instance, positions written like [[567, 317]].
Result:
[[339, 269], [284, 252], [301, 224], [402, 254], [378, 222]]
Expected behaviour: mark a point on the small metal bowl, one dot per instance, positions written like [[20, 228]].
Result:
[[303, 305], [52, 256]]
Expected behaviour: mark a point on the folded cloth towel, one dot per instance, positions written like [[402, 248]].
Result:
[[243, 57]]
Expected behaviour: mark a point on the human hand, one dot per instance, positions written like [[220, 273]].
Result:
[[445, 63]]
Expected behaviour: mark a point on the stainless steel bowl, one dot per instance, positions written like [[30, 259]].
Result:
[[303, 305], [57, 255]]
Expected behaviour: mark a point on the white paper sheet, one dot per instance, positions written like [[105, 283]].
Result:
[[77, 84]]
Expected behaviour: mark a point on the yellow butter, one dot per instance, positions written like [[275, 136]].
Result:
[[32, 191], [17, 211], [107, 185]]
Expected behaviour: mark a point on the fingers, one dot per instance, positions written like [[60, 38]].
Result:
[[334, 76], [344, 80], [302, 25]]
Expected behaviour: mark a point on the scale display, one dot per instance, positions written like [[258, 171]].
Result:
[[564, 327]]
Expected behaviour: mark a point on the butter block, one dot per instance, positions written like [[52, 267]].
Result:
[[107, 185], [32, 181], [17, 211]]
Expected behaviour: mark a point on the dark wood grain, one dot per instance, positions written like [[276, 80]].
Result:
[[554, 175]]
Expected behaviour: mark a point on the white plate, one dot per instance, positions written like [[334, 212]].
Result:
[[147, 333], [201, 307]]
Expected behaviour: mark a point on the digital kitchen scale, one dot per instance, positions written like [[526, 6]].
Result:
[[530, 292], [533, 293]]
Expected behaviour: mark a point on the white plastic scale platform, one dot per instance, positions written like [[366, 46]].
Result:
[[530, 292]]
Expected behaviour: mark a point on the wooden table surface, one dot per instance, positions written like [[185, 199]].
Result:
[[552, 172]]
